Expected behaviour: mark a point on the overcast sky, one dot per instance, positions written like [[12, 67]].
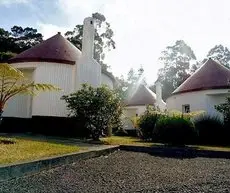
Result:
[[142, 28]]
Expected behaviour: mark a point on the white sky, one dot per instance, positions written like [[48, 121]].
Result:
[[143, 28]]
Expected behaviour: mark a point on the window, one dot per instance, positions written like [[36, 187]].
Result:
[[185, 108]]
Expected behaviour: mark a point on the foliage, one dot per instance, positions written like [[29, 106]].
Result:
[[174, 130], [13, 82], [191, 115], [6, 41], [221, 54], [210, 129], [120, 132], [225, 110], [99, 109], [103, 38], [25, 38], [5, 56], [146, 124], [58, 126], [126, 87], [176, 60], [19, 39]]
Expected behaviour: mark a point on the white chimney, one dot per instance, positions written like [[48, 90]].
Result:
[[88, 38], [159, 92]]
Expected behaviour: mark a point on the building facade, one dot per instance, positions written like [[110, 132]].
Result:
[[57, 61], [207, 87]]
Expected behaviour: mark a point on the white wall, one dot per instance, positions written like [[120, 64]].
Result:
[[129, 113], [20, 105], [88, 71], [198, 100], [61, 75], [159, 101], [135, 110], [161, 104], [105, 79]]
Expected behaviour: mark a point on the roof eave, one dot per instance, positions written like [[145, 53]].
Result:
[[22, 60], [201, 89]]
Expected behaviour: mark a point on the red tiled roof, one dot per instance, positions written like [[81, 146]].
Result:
[[211, 75], [142, 96], [55, 49]]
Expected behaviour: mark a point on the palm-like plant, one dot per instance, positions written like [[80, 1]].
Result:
[[13, 82]]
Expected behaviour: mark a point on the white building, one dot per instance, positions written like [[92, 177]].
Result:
[[58, 62], [207, 87], [139, 100]]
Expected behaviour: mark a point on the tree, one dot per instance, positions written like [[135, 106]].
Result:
[[6, 41], [13, 82], [176, 60], [125, 87], [5, 56], [220, 53], [25, 38], [103, 38], [98, 109], [17, 40]]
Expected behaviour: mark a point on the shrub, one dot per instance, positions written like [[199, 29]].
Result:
[[225, 110], [210, 129], [98, 109], [190, 115], [174, 131], [45, 125], [5, 56], [146, 124], [120, 132]]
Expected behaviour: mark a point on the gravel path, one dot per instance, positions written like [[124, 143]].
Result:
[[129, 172]]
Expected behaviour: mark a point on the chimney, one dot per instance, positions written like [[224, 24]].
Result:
[[158, 92], [88, 38]]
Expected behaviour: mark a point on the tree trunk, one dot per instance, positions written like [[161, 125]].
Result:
[[1, 112], [109, 131]]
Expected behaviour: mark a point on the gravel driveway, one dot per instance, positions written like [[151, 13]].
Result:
[[129, 172]]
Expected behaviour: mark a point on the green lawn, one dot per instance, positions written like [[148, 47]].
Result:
[[117, 140], [26, 149], [212, 148]]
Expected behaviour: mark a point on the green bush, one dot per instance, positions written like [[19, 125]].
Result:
[[5, 56], [98, 109], [174, 131], [120, 132], [146, 124], [225, 110], [210, 129]]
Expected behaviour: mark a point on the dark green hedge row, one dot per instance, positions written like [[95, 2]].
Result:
[[179, 130], [55, 126]]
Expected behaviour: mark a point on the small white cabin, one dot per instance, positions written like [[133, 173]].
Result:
[[207, 87], [138, 102]]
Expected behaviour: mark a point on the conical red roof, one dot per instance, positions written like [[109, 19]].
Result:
[[55, 49], [142, 96], [211, 75]]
